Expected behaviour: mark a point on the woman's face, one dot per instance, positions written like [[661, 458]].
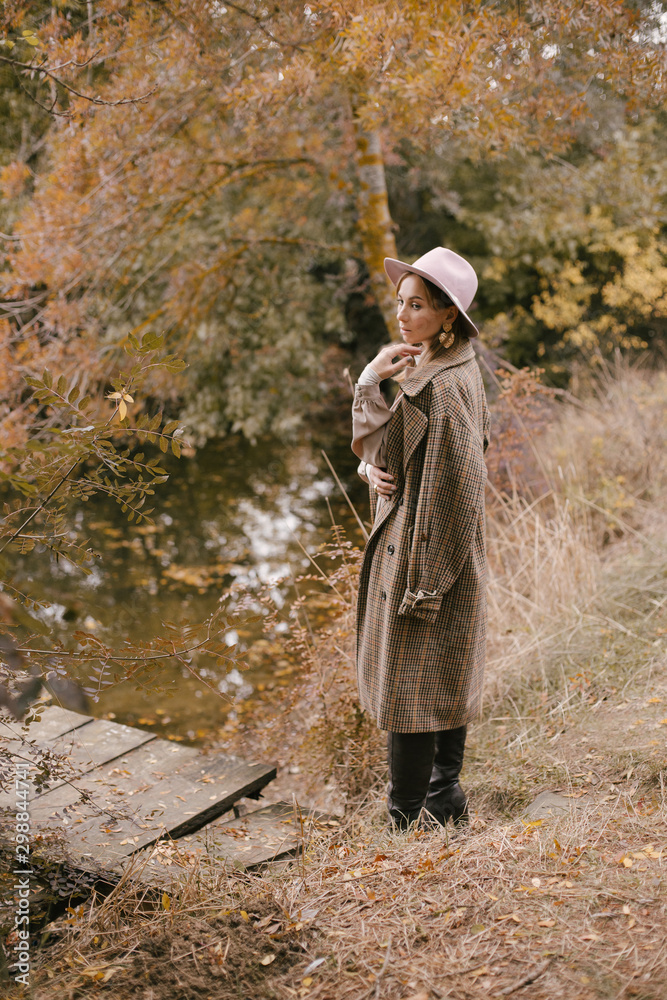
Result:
[[419, 322]]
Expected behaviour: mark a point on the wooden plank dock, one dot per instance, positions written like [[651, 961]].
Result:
[[134, 791]]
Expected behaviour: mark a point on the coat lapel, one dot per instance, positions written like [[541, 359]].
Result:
[[415, 420], [402, 442]]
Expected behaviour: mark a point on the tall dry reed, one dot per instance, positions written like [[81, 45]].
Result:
[[586, 496]]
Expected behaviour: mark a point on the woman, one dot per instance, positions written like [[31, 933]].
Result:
[[421, 612]]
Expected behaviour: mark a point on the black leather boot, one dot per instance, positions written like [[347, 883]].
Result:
[[445, 798], [410, 759]]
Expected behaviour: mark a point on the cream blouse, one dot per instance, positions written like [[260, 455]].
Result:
[[370, 421]]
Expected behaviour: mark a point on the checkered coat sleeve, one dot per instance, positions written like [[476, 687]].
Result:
[[421, 611]]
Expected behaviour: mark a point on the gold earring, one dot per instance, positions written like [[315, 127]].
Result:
[[447, 336]]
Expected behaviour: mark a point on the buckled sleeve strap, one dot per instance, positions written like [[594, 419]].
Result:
[[423, 604]]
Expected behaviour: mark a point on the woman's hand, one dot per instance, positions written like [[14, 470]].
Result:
[[384, 364], [380, 480]]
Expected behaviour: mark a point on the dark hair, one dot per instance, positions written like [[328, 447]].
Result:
[[437, 299]]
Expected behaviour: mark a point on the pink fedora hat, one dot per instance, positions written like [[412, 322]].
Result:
[[450, 272]]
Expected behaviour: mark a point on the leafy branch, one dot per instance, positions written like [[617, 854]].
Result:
[[78, 450]]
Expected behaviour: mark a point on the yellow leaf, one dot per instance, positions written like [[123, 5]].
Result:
[[532, 824], [114, 395], [307, 981], [95, 974], [100, 975], [122, 409], [267, 960], [245, 916], [166, 902], [546, 923], [626, 862]]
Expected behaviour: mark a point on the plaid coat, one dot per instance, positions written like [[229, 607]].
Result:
[[421, 611]]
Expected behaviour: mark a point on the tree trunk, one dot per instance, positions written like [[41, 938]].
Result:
[[375, 225]]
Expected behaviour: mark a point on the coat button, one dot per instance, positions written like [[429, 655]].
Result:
[[400, 502], [383, 596], [391, 550]]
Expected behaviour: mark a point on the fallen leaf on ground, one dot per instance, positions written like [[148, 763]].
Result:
[[101, 975]]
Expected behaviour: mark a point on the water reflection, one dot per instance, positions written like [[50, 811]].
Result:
[[233, 514]]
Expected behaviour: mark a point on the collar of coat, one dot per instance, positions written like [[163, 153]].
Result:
[[422, 374]]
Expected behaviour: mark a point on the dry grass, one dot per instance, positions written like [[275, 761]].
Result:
[[572, 906]]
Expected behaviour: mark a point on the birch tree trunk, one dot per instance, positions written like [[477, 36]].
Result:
[[375, 224]]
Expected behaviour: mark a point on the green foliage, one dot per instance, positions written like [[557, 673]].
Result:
[[577, 263], [570, 252]]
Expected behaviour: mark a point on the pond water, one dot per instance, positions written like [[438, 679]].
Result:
[[232, 514]]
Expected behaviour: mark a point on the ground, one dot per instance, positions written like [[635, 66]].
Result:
[[567, 906], [571, 905]]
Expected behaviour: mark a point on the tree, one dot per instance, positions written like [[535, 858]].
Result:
[[247, 197]]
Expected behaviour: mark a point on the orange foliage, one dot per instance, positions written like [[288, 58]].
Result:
[[13, 178], [162, 212]]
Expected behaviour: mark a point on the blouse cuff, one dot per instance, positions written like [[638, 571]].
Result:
[[370, 393], [362, 470], [369, 376]]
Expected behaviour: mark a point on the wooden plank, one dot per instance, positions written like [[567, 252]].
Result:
[[253, 839], [257, 838], [54, 722], [85, 748], [99, 742], [155, 789]]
